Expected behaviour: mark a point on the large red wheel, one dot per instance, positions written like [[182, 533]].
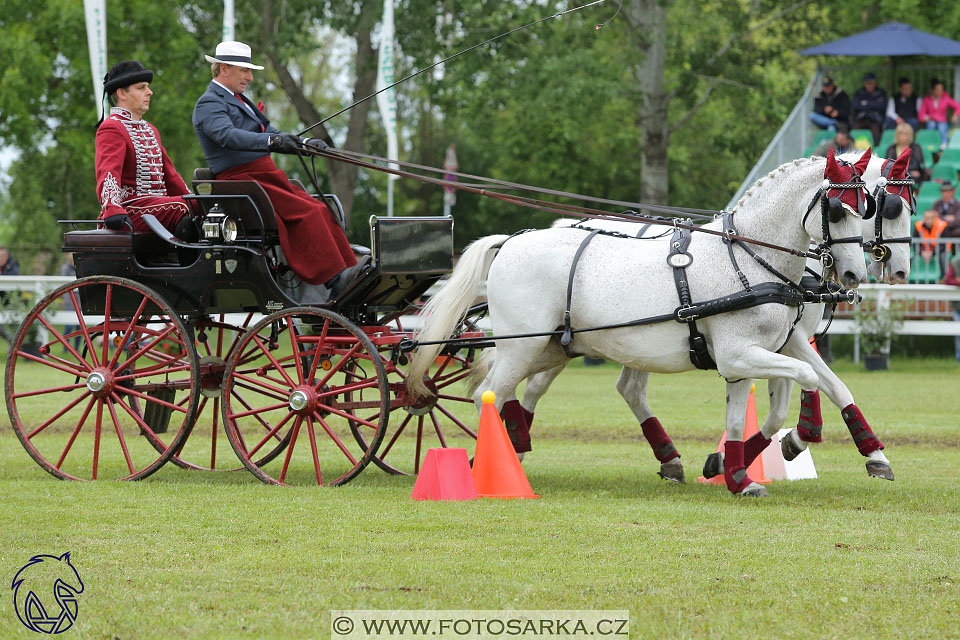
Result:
[[300, 379], [445, 418], [101, 381]]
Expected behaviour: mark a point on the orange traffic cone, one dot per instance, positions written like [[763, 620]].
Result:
[[445, 475], [497, 472], [755, 470]]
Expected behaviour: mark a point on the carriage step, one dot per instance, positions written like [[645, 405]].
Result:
[[156, 415]]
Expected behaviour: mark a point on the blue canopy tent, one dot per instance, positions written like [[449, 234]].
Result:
[[891, 39]]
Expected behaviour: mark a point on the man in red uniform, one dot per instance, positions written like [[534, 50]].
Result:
[[134, 173], [237, 138]]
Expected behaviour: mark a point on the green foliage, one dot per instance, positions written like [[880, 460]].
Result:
[[877, 324]]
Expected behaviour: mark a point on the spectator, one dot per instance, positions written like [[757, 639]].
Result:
[[953, 277], [947, 207], [831, 107], [929, 229], [933, 111], [8, 267], [904, 107], [841, 143], [903, 139], [870, 107]]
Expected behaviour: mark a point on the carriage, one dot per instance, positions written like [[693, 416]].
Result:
[[159, 342]]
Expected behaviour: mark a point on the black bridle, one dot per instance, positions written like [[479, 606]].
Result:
[[889, 208]]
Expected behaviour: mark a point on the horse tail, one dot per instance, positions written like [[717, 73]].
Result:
[[448, 306], [479, 369]]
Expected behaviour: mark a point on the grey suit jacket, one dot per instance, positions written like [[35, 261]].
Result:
[[229, 134]]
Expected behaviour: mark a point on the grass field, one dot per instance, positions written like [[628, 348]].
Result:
[[197, 555]]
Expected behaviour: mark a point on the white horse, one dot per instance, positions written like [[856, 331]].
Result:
[[894, 224], [527, 289]]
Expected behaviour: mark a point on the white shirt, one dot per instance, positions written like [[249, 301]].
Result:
[[242, 101]]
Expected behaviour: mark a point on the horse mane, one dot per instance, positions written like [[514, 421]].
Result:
[[778, 172]]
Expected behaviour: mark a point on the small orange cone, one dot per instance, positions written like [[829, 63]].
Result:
[[497, 472], [445, 475], [755, 470]]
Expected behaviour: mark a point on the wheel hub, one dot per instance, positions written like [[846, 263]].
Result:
[[212, 369], [100, 382], [303, 400]]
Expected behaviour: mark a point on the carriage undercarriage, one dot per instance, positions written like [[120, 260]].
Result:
[[163, 351]]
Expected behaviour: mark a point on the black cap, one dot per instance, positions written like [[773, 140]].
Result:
[[827, 80], [904, 80], [124, 74], [869, 75], [947, 186]]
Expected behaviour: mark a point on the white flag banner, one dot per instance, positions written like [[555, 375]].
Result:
[[228, 21], [387, 101], [95, 13]]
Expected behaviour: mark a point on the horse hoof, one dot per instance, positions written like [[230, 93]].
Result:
[[672, 470], [754, 490], [877, 469], [714, 465], [788, 447]]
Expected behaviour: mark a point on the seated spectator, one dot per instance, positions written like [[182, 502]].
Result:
[[953, 277], [933, 111], [8, 267], [841, 143], [870, 107], [904, 107], [903, 139], [929, 229], [948, 209], [831, 107]]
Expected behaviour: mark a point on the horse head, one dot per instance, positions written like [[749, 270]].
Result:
[[890, 232], [54, 578], [844, 203]]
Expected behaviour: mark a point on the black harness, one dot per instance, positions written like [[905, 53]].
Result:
[[889, 207]]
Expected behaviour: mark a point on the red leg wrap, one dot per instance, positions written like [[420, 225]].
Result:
[[516, 424], [811, 422], [754, 447], [862, 434], [659, 441], [528, 416], [734, 471]]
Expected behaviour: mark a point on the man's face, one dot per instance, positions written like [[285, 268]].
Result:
[[870, 85], [828, 88], [135, 98], [4, 256], [929, 216], [843, 140], [948, 195], [235, 78], [937, 90], [906, 90]]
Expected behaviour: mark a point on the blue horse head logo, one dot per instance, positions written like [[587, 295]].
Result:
[[32, 587]]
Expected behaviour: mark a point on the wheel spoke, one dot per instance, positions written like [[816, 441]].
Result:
[[251, 412], [57, 415], [73, 436], [147, 430], [67, 345], [149, 398], [69, 387], [335, 368], [52, 365], [293, 441], [213, 432], [127, 333], [455, 398], [123, 443], [457, 422], [96, 437], [273, 360], [247, 405], [106, 323], [271, 434], [83, 328], [403, 425], [129, 361], [436, 427], [316, 358], [334, 437], [281, 393], [416, 458], [295, 350], [313, 449], [352, 418]]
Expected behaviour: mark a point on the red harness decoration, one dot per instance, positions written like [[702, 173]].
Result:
[[314, 244]]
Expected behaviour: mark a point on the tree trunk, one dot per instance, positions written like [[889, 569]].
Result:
[[343, 176], [648, 23]]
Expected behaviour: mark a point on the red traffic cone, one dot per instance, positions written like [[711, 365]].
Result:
[[497, 472], [755, 470], [445, 475]]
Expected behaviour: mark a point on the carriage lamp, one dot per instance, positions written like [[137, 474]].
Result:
[[217, 225]]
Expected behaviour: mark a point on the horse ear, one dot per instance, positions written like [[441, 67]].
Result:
[[899, 169], [65, 557], [832, 172], [864, 160]]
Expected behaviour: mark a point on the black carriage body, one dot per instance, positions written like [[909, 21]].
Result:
[[409, 255]]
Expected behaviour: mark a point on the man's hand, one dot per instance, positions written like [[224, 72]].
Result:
[[316, 144], [118, 222], [283, 143]]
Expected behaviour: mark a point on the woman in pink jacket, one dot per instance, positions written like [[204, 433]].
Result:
[[933, 110]]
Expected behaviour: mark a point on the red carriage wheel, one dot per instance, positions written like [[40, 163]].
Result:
[[94, 370], [446, 418], [302, 378]]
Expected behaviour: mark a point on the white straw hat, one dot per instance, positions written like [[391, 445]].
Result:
[[234, 53]]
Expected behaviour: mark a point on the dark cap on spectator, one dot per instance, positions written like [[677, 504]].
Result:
[[904, 80], [827, 81], [947, 186], [869, 75]]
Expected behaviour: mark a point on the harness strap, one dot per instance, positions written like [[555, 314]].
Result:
[[567, 336], [679, 259], [728, 225]]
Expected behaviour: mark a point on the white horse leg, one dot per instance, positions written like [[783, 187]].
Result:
[[632, 385], [734, 466], [537, 386], [867, 442]]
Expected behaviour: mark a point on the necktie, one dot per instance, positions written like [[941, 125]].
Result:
[[247, 107]]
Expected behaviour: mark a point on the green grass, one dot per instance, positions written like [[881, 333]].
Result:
[[188, 555]]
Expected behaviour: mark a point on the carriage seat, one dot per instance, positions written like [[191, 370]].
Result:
[[239, 208], [107, 240]]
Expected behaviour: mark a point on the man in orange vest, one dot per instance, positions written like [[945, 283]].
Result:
[[929, 229]]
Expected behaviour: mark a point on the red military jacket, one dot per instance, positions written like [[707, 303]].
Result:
[[131, 163]]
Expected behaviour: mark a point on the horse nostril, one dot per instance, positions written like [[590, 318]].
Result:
[[850, 277], [901, 276]]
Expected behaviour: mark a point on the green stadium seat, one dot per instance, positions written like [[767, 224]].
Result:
[[945, 172], [955, 140], [820, 136], [885, 141], [951, 155], [862, 138], [929, 189], [923, 203], [929, 140], [925, 272]]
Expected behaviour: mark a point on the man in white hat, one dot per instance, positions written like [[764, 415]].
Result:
[[237, 138]]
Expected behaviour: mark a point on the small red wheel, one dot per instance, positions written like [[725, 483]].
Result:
[[87, 400], [304, 371], [442, 419]]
